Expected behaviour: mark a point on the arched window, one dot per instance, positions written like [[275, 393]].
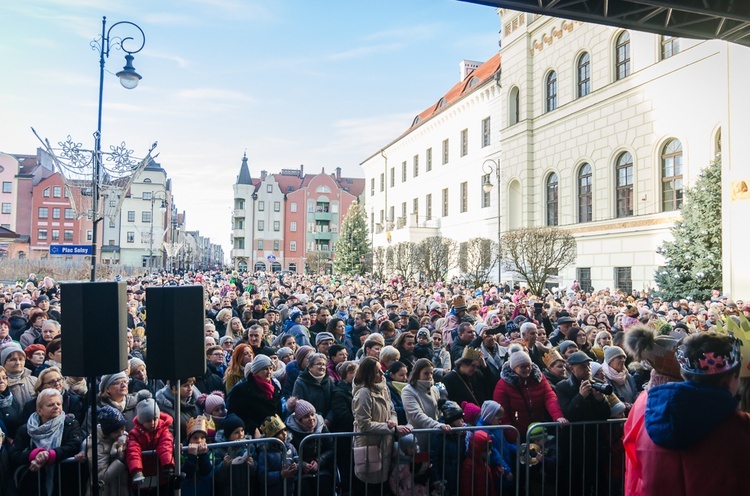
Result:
[[624, 184], [584, 194], [260, 266], [293, 267], [514, 106], [622, 56], [276, 267], [717, 145], [671, 175], [551, 93], [584, 75], [551, 188]]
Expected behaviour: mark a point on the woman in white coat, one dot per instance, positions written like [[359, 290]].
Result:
[[420, 399]]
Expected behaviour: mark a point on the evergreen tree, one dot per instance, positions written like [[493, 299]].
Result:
[[353, 245], [693, 258]]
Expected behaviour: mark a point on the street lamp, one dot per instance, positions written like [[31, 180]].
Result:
[[129, 80], [488, 167], [155, 195]]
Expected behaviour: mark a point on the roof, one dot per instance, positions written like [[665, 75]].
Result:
[[728, 21], [244, 177]]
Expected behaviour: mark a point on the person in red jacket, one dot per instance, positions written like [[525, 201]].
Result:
[[525, 395], [477, 475], [151, 473], [688, 437]]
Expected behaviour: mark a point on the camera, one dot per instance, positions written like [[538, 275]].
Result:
[[538, 307], [605, 389]]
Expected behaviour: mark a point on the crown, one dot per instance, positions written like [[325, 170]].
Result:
[[709, 362], [199, 424], [471, 354], [743, 332], [459, 302], [272, 426], [551, 357]]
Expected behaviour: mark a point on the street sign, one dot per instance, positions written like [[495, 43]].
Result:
[[70, 250], [271, 258]]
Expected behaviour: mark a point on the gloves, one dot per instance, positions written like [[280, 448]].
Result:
[[138, 478]]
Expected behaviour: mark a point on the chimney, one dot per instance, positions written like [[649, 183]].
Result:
[[467, 67], [263, 175], [338, 173], [301, 170]]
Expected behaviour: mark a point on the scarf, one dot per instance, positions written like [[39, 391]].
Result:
[[265, 387], [48, 436], [318, 378], [425, 385], [77, 387], [613, 375], [6, 399]]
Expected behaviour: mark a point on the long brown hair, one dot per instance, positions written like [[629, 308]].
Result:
[[367, 372]]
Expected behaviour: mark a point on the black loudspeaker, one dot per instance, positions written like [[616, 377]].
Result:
[[94, 322], [174, 332]]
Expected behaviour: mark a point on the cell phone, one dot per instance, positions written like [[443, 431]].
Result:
[[537, 307]]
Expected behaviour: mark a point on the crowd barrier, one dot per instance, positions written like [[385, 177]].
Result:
[[584, 458]]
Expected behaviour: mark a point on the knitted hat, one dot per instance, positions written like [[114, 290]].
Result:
[[32, 348], [302, 353], [322, 336], [489, 411], [471, 412], [300, 408], [211, 401], [450, 411], [283, 352], [271, 426], [231, 424], [147, 410], [612, 352], [110, 419], [565, 345], [595, 368], [107, 380], [259, 363], [225, 339], [136, 362], [519, 358], [511, 326], [423, 331], [6, 350]]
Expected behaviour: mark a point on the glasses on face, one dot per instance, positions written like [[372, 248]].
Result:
[[120, 383], [54, 382], [217, 353]]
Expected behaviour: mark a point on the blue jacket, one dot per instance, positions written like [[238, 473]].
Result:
[[270, 463]]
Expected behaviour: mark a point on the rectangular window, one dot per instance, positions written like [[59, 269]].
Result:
[[43, 211], [276, 225], [68, 235], [239, 243], [669, 46], [310, 246], [428, 207], [131, 215], [403, 209], [112, 224], [485, 194], [416, 165], [393, 176], [293, 226], [239, 204], [415, 209], [69, 215], [445, 202], [7, 187], [391, 213], [623, 280], [276, 245], [428, 160], [260, 244], [277, 206], [113, 203], [56, 191], [55, 235], [382, 182], [292, 246], [403, 171], [583, 275], [464, 142], [269, 188], [89, 235], [261, 225], [464, 196], [148, 195], [372, 187], [7, 209], [41, 234], [446, 149], [55, 213], [131, 236], [486, 132], [293, 207], [261, 206], [146, 217]]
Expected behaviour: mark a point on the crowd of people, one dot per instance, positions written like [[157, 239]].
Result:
[[289, 356]]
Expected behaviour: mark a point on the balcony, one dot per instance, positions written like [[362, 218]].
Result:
[[400, 222], [239, 213], [322, 235], [322, 214]]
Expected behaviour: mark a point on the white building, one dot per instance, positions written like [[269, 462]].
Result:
[[596, 129]]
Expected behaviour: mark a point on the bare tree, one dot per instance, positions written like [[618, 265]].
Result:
[[477, 257], [539, 252], [437, 256], [403, 259], [378, 262], [317, 260]]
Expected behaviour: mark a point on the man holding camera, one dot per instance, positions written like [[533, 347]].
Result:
[[582, 399]]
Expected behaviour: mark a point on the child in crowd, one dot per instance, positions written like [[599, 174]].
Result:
[[478, 475], [196, 463], [111, 443], [151, 474], [276, 464], [503, 453], [447, 450], [215, 410], [236, 472], [402, 480]]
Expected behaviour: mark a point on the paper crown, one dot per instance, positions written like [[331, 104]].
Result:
[[272, 426], [471, 354], [459, 303], [742, 334], [709, 362], [200, 424], [551, 357]]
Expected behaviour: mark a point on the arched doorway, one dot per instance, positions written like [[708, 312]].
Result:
[[293, 267], [259, 266], [276, 267]]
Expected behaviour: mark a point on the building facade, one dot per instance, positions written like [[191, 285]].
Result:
[[594, 129], [290, 220]]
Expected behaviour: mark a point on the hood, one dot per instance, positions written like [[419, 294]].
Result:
[[681, 414], [479, 444], [507, 374]]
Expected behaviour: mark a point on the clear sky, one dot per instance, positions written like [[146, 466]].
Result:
[[323, 83]]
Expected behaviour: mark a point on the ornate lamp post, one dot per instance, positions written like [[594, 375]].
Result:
[[488, 167]]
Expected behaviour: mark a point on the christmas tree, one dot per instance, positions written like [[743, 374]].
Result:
[[353, 254], [693, 258]]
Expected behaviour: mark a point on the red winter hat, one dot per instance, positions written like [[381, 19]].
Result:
[[33, 348], [471, 412]]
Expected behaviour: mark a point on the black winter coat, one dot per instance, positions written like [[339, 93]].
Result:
[[212, 380], [341, 406], [248, 402], [317, 393], [12, 416]]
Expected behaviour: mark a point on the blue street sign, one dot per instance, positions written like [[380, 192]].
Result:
[[70, 250]]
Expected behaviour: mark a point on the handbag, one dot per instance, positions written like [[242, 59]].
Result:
[[368, 459]]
